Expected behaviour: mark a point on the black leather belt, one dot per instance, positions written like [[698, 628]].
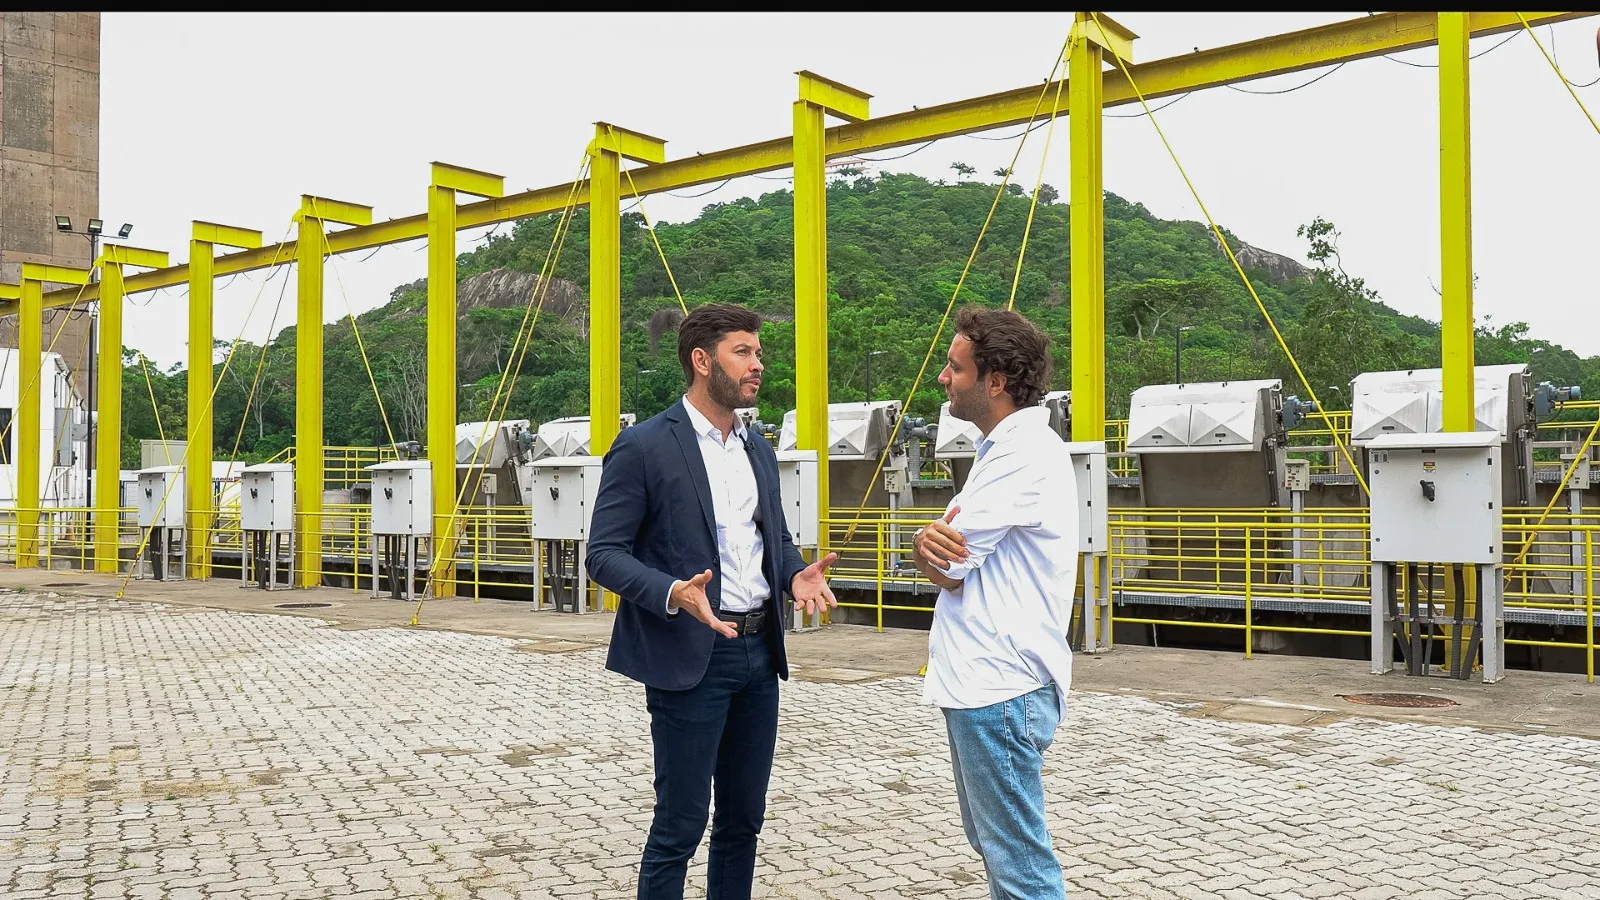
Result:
[[747, 623]]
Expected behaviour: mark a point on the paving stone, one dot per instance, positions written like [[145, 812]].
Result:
[[215, 755]]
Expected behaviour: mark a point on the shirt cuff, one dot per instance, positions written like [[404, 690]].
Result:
[[668, 603]]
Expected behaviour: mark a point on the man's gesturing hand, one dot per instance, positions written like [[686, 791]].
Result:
[[690, 596], [810, 586], [938, 544]]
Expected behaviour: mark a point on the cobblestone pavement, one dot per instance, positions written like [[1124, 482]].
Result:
[[150, 751]]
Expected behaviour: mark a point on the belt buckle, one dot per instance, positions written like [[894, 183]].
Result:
[[753, 622]]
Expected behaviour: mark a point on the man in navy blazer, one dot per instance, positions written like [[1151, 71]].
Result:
[[688, 529]]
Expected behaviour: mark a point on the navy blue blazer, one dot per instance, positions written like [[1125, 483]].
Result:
[[654, 524]]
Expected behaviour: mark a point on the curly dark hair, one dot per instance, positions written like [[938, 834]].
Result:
[[706, 326], [1005, 342]]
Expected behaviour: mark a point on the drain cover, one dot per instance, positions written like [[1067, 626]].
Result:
[[301, 605], [1404, 701], [65, 584]]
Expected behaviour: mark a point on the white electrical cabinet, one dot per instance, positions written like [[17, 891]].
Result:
[[1089, 469], [266, 497], [797, 480], [159, 497], [1297, 475], [563, 497], [402, 497], [1436, 497]]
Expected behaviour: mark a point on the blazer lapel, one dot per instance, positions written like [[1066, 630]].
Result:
[[763, 483], [689, 443]]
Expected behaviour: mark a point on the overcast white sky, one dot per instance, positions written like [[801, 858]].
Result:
[[230, 117]]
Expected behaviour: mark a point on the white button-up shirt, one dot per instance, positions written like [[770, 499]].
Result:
[[1003, 632], [735, 504]]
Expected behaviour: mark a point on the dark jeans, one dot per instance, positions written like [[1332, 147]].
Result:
[[723, 729]]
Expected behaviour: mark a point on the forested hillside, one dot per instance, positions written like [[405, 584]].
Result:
[[897, 246]]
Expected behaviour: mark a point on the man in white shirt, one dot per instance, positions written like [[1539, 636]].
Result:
[[1005, 558]]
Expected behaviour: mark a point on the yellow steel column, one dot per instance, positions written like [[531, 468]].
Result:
[[108, 423], [610, 146], [30, 362], [202, 497], [108, 426], [447, 181], [1091, 37], [1087, 238], [818, 97], [1455, 222], [30, 325], [309, 249]]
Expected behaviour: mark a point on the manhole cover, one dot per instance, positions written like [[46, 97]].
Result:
[[1404, 701], [301, 605], [65, 584]]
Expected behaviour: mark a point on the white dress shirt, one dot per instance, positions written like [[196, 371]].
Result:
[[734, 501], [1003, 632]]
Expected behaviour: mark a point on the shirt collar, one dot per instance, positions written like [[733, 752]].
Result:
[[1006, 428], [702, 425]]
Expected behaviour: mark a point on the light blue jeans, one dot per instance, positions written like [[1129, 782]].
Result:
[[997, 752]]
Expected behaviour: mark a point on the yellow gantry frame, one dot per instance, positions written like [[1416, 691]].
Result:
[[202, 284], [1353, 39], [30, 360], [309, 247], [818, 98], [447, 181], [611, 145]]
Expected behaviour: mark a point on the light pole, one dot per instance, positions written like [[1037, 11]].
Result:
[[92, 231], [870, 355], [1177, 356], [633, 389]]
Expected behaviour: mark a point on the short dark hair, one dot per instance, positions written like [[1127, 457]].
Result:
[[1004, 341], [706, 326]]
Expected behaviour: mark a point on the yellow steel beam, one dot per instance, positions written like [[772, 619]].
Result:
[[1455, 223], [46, 273], [468, 181], [842, 100], [1354, 39], [818, 97], [30, 362], [202, 292], [634, 145], [123, 255], [1106, 34], [448, 180], [10, 292], [226, 235], [326, 210], [1087, 225]]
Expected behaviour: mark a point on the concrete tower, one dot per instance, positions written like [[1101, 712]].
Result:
[[50, 158]]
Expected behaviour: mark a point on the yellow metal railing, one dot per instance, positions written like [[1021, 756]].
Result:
[[1249, 556], [65, 537], [1246, 556], [343, 467], [493, 546]]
